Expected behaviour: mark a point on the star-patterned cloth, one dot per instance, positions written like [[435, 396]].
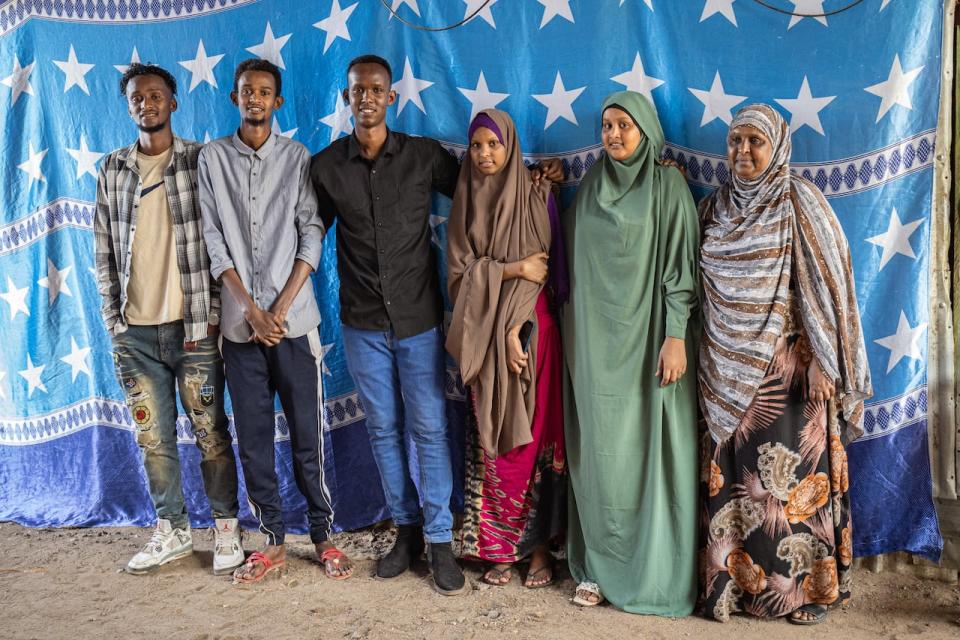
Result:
[[862, 110]]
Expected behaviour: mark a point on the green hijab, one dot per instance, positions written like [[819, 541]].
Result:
[[627, 188]]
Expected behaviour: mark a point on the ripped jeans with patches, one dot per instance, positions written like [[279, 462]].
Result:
[[151, 365]]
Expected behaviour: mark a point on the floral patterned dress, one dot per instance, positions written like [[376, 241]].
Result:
[[776, 515]]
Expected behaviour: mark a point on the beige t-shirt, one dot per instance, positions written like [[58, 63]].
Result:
[[154, 294]]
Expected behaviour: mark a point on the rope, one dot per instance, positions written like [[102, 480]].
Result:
[[808, 15], [435, 29]]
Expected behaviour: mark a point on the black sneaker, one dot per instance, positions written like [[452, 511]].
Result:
[[408, 547], [447, 576]]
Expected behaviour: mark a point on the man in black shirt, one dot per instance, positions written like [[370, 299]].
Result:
[[378, 183]]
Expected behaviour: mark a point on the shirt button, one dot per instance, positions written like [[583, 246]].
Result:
[[253, 197], [382, 251], [373, 170], [388, 302], [379, 224], [377, 198]]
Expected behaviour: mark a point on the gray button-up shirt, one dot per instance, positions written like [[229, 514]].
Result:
[[259, 216]]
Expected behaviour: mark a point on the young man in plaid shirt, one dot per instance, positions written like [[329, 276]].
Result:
[[161, 309]]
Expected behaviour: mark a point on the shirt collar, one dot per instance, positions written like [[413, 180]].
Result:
[[265, 149], [390, 148], [129, 156]]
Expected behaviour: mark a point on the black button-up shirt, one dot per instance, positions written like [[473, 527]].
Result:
[[388, 271]]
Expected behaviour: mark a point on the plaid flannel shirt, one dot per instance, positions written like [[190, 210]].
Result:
[[118, 200]]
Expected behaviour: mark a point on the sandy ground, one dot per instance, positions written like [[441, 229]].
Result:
[[68, 583]]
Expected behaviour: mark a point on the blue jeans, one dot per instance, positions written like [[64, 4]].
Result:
[[400, 383], [151, 364]]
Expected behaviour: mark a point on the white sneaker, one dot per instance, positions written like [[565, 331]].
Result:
[[227, 549], [165, 545]]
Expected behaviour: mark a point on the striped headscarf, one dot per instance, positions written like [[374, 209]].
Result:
[[757, 234]]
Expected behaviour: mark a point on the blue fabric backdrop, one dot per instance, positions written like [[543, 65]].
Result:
[[860, 89]]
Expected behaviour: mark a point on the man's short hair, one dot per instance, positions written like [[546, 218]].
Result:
[[256, 64], [369, 58], [136, 69]]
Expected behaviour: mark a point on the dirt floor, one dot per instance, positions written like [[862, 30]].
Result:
[[68, 583]]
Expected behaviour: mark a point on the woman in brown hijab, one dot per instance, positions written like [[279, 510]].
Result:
[[506, 274]]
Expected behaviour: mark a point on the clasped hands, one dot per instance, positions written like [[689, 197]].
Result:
[[269, 327]]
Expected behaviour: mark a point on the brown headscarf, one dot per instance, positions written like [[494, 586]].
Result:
[[758, 235], [495, 220]]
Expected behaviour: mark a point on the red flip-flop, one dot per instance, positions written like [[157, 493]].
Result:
[[269, 568], [334, 555]]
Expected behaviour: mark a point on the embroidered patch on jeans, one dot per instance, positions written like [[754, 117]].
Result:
[[141, 414], [206, 394], [131, 386]]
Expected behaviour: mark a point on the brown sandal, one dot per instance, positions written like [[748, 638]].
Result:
[[495, 577], [532, 575]]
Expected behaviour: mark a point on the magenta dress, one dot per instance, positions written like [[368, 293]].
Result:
[[518, 501]]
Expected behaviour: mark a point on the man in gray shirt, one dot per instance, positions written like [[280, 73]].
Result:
[[264, 237]]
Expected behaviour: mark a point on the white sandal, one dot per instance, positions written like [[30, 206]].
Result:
[[589, 587]]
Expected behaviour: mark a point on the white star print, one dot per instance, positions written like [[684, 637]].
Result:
[[723, 7], [336, 23], [270, 49], [409, 88], [206, 137], [482, 98], [32, 166], [86, 159], [16, 299], [77, 360], [3, 390], [554, 8], [436, 221], [19, 79], [805, 109], [896, 239], [135, 58], [895, 89], [717, 104], [275, 128], [410, 3], [485, 13], [649, 3], [559, 102], [339, 120], [33, 375], [324, 350], [56, 281], [201, 68], [75, 72], [884, 4], [636, 79], [807, 7], [905, 343]]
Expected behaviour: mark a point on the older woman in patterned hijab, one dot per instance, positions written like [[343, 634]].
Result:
[[783, 376]]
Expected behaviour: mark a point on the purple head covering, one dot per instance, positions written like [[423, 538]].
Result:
[[485, 121]]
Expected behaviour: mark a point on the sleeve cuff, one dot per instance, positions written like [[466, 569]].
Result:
[[677, 329], [312, 258], [216, 270]]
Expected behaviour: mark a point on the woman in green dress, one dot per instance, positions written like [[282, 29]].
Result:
[[631, 413]]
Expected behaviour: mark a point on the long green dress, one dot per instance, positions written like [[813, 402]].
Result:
[[633, 237]]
